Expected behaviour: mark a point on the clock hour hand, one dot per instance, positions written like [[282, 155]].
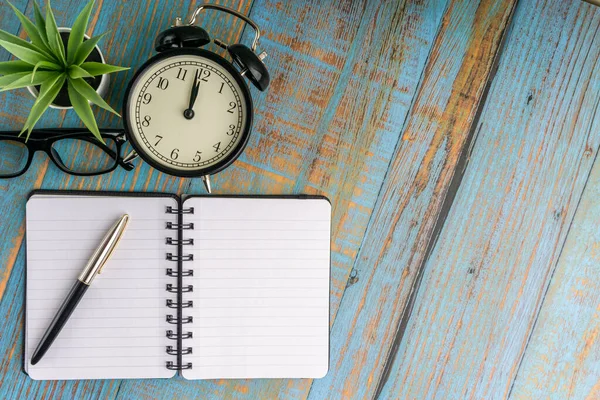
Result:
[[189, 112]]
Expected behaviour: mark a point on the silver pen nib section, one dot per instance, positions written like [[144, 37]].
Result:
[[104, 251]]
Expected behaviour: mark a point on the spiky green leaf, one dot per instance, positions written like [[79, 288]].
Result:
[[40, 22], [86, 48], [83, 109], [96, 68], [84, 89], [61, 49], [32, 31], [12, 67], [9, 79], [54, 41], [78, 31], [76, 72], [26, 79], [46, 65], [22, 49], [48, 92]]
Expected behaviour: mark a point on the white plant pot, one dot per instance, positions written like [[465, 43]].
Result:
[[102, 88]]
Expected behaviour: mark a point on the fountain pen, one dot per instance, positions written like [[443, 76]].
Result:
[[92, 268]]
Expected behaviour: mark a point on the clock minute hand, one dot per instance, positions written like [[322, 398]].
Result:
[[189, 113]]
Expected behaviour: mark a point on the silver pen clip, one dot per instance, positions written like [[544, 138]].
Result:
[[104, 251]]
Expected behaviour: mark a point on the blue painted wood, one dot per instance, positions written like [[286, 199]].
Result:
[[8, 120], [411, 197], [487, 276], [370, 100], [562, 359]]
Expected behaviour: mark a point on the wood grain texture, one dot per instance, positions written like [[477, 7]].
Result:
[[486, 279], [411, 197], [373, 104], [563, 355], [343, 78], [7, 118]]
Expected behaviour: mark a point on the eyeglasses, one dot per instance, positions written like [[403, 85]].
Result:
[[74, 151]]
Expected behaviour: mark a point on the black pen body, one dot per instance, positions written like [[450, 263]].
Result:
[[59, 321]]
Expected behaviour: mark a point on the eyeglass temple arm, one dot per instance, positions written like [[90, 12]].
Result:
[[48, 132], [127, 165]]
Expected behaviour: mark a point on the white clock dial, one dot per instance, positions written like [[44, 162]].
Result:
[[181, 140]]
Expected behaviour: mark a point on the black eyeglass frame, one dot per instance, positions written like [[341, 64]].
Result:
[[43, 139]]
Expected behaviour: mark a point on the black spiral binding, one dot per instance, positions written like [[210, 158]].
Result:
[[179, 304]]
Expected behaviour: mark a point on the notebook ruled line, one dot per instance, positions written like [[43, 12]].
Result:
[[108, 367], [261, 346], [256, 336], [265, 220], [200, 229]]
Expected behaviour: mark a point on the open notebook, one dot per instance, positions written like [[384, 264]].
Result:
[[217, 287]]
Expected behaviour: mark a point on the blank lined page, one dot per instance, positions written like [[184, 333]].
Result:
[[119, 328], [261, 287]]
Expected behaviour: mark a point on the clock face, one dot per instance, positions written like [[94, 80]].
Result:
[[188, 112]]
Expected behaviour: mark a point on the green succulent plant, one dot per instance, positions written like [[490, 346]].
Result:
[[44, 62]]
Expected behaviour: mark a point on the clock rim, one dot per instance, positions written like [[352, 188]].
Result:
[[245, 131]]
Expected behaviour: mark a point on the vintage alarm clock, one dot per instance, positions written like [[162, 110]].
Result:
[[188, 111]]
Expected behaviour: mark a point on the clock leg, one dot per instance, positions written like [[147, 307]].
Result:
[[130, 157], [206, 180]]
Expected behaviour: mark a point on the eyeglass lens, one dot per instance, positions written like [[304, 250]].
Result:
[[13, 157], [85, 156]]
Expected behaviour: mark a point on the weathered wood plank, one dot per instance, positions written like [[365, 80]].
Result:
[[562, 357], [412, 195], [133, 26], [485, 280], [10, 25], [343, 79]]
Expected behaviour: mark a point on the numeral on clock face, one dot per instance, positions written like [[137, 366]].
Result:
[[203, 74], [181, 74], [231, 130], [163, 83], [146, 121], [232, 106]]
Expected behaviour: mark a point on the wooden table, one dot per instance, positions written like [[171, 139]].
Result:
[[457, 141]]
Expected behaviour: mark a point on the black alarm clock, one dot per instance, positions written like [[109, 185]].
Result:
[[188, 111]]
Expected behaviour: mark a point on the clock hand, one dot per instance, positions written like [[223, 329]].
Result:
[[189, 112]]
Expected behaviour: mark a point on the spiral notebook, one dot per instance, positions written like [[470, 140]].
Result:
[[214, 287]]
